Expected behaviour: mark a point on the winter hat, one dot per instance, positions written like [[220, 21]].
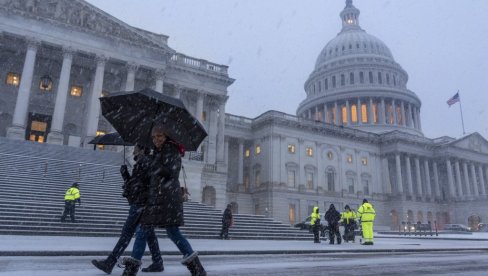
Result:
[[75, 184], [332, 206], [347, 207], [365, 200]]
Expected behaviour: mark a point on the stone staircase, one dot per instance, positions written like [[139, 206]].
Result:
[[34, 178]]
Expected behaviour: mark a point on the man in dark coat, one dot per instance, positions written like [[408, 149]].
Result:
[[226, 222], [332, 216], [164, 207], [135, 189]]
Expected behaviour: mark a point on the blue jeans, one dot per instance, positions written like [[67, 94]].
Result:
[[147, 232], [128, 230]]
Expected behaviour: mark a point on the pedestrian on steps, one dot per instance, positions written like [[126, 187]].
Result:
[[332, 216], [227, 221], [164, 207], [71, 196], [135, 189], [315, 224]]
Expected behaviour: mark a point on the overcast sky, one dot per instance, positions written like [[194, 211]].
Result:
[[271, 47]]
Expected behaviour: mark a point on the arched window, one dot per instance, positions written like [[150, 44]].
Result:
[[370, 77], [364, 113], [354, 113], [351, 78], [326, 84], [344, 115], [361, 77], [380, 80], [333, 81], [420, 217], [330, 178], [343, 80]]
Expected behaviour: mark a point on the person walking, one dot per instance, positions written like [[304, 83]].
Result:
[[348, 218], [71, 196], [315, 224], [227, 220], [366, 215], [332, 216], [135, 189], [164, 207]]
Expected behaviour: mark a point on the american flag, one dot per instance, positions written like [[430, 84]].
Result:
[[454, 99]]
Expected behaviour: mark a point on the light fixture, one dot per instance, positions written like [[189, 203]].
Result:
[[46, 82]]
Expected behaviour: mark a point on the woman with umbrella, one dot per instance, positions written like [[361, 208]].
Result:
[[164, 206]]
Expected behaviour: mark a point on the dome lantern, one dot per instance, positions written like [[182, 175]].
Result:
[[350, 17]]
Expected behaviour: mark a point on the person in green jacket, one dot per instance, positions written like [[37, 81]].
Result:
[[366, 215], [70, 198], [315, 224]]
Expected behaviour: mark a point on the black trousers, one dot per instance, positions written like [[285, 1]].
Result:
[[316, 234], [69, 208], [334, 232], [224, 233], [349, 231]]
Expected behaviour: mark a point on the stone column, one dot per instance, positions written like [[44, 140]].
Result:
[[409, 175], [414, 117], [220, 131], [226, 151], [131, 76], [359, 112], [159, 74], [177, 91], [418, 119], [212, 133], [240, 156], [466, 179], [420, 191], [475, 182], [482, 180], [326, 120], [55, 136], [410, 116], [399, 173], [17, 130], [393, 108], [199, 112], [94, 104], [348, 113], [382, 113], [450, 179], [386, 175], [458, 178], [402, 108], [309, 114], [436, 180], [337, 112], [370, 112], [427, 178], [316, 113]]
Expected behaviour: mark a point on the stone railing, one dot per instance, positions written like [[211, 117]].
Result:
[[202, 64]]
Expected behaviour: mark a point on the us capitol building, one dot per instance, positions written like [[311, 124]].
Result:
[[357, 134]]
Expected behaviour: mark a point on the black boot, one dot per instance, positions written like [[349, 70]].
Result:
[[196, 268], [154, 267], [105, 265], [131, 266]]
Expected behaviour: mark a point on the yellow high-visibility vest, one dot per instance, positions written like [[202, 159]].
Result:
[[72, 194], [366, 212]]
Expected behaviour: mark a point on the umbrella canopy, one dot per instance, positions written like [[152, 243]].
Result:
[[133, 115], [113, 139]]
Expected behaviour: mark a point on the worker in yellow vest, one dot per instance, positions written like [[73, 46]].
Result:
[[70, 198], [366, 215], [348, 218], [315, 224]]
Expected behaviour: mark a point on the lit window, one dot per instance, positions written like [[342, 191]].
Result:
[[246, 181], [330, 155], [354, 113], [291, 148], [309, 151], [104, 93], [258, 149], [247, 153], [364, 113], [13, 79], [46, 83], [99, 133], [349, 158], [76, 91], [375, 113], [257, 179], [344, 115], [364, 161], [39, 126]]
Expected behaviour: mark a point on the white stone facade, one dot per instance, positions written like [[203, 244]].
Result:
[[356, 135]]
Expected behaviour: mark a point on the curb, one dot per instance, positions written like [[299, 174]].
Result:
[[249, 252]]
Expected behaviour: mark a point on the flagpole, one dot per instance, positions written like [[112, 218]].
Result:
[[461, 109]]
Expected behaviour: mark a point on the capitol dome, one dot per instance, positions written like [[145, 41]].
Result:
[[357, 83]]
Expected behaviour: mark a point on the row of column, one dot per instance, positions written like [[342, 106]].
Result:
[[408, 115], [473, 175]]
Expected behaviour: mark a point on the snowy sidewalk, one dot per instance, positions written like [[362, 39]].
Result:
[[11, 245]]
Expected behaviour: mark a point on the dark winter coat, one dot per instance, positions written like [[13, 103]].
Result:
[[164, 205], [332, 216], [227, 217], [136, 185]]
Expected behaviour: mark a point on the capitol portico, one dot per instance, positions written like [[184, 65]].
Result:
[[357, 134]]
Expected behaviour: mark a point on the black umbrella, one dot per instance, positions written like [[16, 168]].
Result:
[[110, 139], [133, 115]]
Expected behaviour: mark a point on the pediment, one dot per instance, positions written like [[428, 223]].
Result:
[[474, 142], [84, 17]]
